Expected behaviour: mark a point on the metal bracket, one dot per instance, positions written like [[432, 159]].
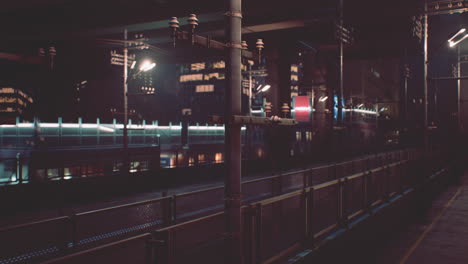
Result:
[[233, 45], [232, 201], [234, 14]]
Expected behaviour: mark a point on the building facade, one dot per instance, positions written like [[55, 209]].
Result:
[[13, 103]]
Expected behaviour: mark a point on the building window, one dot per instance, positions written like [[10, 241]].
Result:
[[294, 68], [207, 88], [7, 90], [191, 77], [218, 157], [294, 77], [197, 66], [201, 158], [298, 136], [309, 136], [210, 76], [260, 153], [219, 65]]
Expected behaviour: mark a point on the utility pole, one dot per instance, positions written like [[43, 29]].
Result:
[[405, 103], [232, 193], [458, 89], [126, 166], [425, 99], [340, 93]]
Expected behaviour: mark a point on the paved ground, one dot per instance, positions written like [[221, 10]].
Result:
[[438, 235], [445, 238]]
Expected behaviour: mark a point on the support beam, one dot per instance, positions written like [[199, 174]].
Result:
[[425, 62], [232, 184], [458, 88], [340, 61]]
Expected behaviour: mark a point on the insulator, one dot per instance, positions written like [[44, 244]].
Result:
[[260, 44], [174, 23], [244, 44], [192, 20]]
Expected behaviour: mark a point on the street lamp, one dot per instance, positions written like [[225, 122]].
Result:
[[457, 38], [453, 41], [263, 88], [144, 66], [323, 98]]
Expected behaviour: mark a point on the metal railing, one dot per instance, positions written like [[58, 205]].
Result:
[[274, 227], [325, 185]]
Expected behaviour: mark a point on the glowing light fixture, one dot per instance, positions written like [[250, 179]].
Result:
[[265, 88], [457, 38], [147, 65], [303, 108], [323, 98], [262, 88]]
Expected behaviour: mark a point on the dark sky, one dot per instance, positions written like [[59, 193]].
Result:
[[382, 29]]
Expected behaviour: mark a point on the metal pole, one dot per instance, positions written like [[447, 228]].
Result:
[[250, 89], [458, 89], [232, 194], [405, 103], [436, 108], [340, 94], [125, 131], [425, 99]]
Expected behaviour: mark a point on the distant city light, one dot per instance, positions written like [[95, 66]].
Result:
[[303, 108], [147, 65], [323, 98], [265, 88]]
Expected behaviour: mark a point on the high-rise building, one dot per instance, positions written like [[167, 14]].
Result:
[[13, 103], [202, 86]]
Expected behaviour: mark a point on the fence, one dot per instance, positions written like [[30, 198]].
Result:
[[135, 250], [275, 226], [335, 190]]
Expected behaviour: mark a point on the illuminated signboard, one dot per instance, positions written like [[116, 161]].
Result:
[[302, 108]]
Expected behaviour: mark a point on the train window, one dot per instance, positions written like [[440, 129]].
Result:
[[298, 135], [136, 166], [94, 170], [53, 173], [201, 158], [218, 157], [117, 166], [72, 172]]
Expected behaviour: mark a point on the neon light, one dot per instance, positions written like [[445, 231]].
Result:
[[48, 125], [206, 127], [106, 129], [25, 125], [7, 125], [303, 108], [134, 126], [89, 125], [256, 111], [364, 111], [70, 125]]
